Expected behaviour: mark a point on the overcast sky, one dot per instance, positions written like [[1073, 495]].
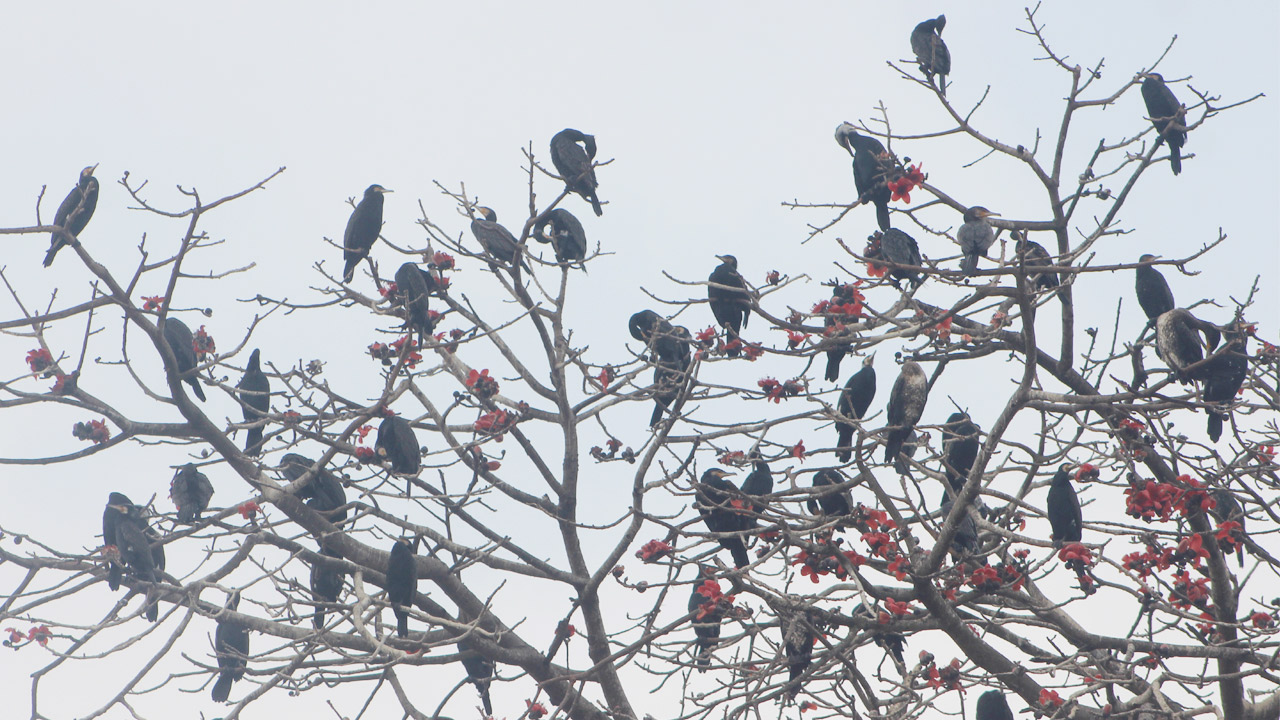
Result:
[[714, 114]]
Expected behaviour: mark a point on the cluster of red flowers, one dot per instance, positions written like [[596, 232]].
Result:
[[893, 606], [1050, 699], [481, 385], [39, 634], [605, 377], [902, 186], [95, 431], [1262, 620], [39, 360], [773, 277], [733, 458], [1266, 454], [1190, 550], [777, 391], [716, 601], [495, 423], [871, 251], [249, 509], [203, 344], [939, 332], [653, 551], [1153, 558], [794, 339], [535, 710], [1148, 499], [154, 302], [388, 353], [1188, 592], [442, 261], [825, 560], [1130, 433], [1077, 553], [389, 290], [947, 678]]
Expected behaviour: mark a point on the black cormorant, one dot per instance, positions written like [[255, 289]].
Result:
[[1167, 115], [965, 539], [255, 399], [326, 584], [497, 241], [730, 301], [645, 324], [398, 445], [402, 581], [672, 351], [830, 501], [960, 446], [992, 705], [560, 228], [894, 643], [1227, 509], [132, 538], [759, 483], [897, 247], [182, 343], [1063, 509], [231, 646], [479, 671], [975, 237], [573, 162], [1154, 294], [1034, 256], [74, 212], [714, 500], [871, 167], [931, 52], [362, 230], [190, 491], [707, 616], [1224, 376], [323, 493], [797, 638], [856, 397], [906, 405], [414, 287], [1178, 340]]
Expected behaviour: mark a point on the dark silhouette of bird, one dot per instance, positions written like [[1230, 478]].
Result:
[[1167, 115], [899, 248], [231, 646], [835, 334], [402, 581], [730, 300], [708, 608], [1033, 257], [182, 343], [960, 446], [363, 228], [1063, 509], [856, 397], [872, 165], [906, 405], [672, 357], [497, 241], [798, 639], [965, 540], [975, 237], [931, 52], [115, 513], [893, 643], [1227, 509], [713, 497], [479, 671], [830, 500], [398, 445], [323, 493], [560, 228], [414, 285], [74, 212], [759, 484], [326, 583], [1154, 295], [1224, 376], [1181, 341], [645, 324], [132, 537], [255, 400], [573, 162], [190, 491], [992, 705]]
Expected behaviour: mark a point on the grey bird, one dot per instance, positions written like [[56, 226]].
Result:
[[975, 237], [906, 405], [931, 52]]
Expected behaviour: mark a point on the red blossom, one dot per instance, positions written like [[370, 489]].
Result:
[[155, 302], [1188, 592], [388, 289], [880, 543], [605, 377], [808, 705], [203, 343], [1191, 549], [797, 451], [752, 351], [896, 607], [705, 336], [40, 634], [1050, 699], [481, 385], [442, 260], [495, 422], [1076, 552], [1262, 621], [363, 432], [1265, 454], [39, 360], [733, 458], [653, 551], [95, 431], [1147, 499], [773, 277], [406, 343], [898, 566], [63, 383], [985, 578], [901, 189], [248, 509], [365, 454], [535, 710], [915, 174]]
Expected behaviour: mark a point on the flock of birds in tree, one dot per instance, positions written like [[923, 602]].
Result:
[[1186, 343]]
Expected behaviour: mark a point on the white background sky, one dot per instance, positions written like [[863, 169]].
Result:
[[715, 113]]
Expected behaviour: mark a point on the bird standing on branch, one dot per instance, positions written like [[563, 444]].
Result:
[[190, 491], [362, 231], [730, 301], [254, 392], [975, 237], [931, 52], [856, 397], [871, 167], [573, 162], [74, 212], [1167, 115], [906, 405], [713, 497], [231, 646]]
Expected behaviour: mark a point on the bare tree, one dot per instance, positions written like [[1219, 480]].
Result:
[[507, 460]]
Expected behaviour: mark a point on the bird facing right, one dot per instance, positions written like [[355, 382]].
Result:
[[74, 212], [856, 397], [931, 52], [975, 237], [362, 231]]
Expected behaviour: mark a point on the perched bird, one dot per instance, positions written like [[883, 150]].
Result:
[[713, 497], [909, 447], [497, 241], [1227, 509], [74, 212], [1154, 294], [856, 397], [906, 405], [896, 247], [871, 167], [398, 445], [1033, 256], [131, 535], [831, 500], [323, 493], [1167, 115], [960, 446], [1063, 509], [363, 228], [931, 52], [113, 515], [730, 301], [479, 671], [798, 638], [573, 162], [893, 643], [965, 540], [402, 581], [182, 343], [708, 607], [255, 400], [835, 333], [190, 491], [645, 324], [560, 228], [1180, 344], [975, 237], [759, 484], [672, 356], [414, 287], [1224, 376], [992, 705], [231, 646], [326, 584]]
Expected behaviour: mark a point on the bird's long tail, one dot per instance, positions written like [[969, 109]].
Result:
[[222, 688], [195, 388], [833, 364], [844, 442], [1215, 425], [253, 442], [882, 214], [1175, 159], [969, 264], [482, 686], [53, 250], [738, 550], [402, 622]]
